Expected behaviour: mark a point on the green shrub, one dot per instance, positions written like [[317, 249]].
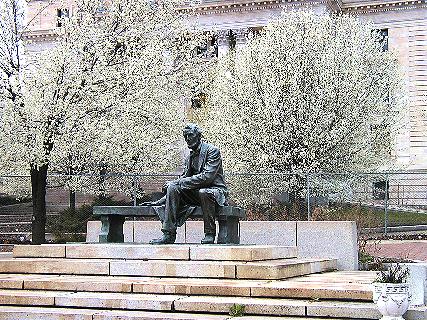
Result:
[[277, 212], [237, 310], [8, 200], [109, 201], [395, 273], [70, 225]]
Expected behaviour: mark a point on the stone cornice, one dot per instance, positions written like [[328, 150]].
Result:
[[220, 6], [40, 35], [382, 6], [215, 7]]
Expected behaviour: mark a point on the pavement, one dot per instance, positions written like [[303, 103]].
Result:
[[399, 249]]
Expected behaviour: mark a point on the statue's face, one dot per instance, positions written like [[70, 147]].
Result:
[[192, 138]]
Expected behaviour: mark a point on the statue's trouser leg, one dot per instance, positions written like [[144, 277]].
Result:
[[208, 204], [176, 197], [173, 198]]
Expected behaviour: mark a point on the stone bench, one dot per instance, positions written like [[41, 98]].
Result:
[[113, 218]]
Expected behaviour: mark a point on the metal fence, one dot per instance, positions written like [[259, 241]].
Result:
[[388, 198]]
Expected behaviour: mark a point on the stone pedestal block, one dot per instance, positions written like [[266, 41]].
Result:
[[94, 231], [144, 231], [194, 231], [329, 239], [315, 239], [279, 233]]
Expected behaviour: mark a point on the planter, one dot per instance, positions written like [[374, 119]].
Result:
[[392, 299]]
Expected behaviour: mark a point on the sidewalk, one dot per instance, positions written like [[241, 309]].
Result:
[[400, 249]]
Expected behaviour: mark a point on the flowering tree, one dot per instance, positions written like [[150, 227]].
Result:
[[108, 92], [311, 93]]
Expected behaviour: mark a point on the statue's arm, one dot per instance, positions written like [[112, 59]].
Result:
[[186, 166], [206, 177], [159, 202]]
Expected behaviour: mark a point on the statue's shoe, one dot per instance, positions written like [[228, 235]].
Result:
[[168, 238], [208, 239]]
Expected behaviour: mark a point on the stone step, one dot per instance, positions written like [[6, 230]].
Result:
[[14, 223], [150, 252], [16, 218], [347, 285], [278, 307], [25, 216], [270, 269], [101, 300], [40, 313], [15, 227], [55, 266], [15, 237], [197, 304], [43, 313], [290, 307], [19, 208]]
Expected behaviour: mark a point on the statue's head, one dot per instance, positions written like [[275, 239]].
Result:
[[192, 135]]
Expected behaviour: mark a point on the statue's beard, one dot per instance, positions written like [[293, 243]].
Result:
[[193, 145]]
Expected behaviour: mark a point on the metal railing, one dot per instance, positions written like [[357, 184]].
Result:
[[266, 196]]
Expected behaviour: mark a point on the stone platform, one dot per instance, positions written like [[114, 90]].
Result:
[[128, 281]]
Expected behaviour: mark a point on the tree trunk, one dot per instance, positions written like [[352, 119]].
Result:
[[72, 200], [101, 182], [38, 190], [297, 206], [72, 193]]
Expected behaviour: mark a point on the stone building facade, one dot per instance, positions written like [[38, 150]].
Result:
[[404, 22]]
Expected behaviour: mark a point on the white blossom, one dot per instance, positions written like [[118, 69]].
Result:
[[312, 93], [108, 92]]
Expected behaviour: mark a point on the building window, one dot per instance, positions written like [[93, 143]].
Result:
[[61, 15], [214, 45], [380, 190], [384, 39]]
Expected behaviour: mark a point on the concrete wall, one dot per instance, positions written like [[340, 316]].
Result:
[[418, 283], [314, 239]]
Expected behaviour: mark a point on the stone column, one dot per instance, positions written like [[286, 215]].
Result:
[[241, 37]]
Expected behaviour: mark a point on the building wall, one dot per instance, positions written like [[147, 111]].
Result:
[[42, 14], [406, 23], [407, 27]]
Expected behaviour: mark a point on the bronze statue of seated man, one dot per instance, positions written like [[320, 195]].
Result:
[[201, 184]]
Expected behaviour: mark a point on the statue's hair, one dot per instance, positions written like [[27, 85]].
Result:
[[193, 127]]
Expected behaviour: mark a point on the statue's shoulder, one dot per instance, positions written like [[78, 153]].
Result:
[[209, 146]]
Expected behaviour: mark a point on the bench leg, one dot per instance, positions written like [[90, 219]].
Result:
[[228, 230], [112, 229]]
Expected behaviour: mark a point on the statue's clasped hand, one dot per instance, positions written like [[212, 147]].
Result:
[[169, 183], [159, 202]]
